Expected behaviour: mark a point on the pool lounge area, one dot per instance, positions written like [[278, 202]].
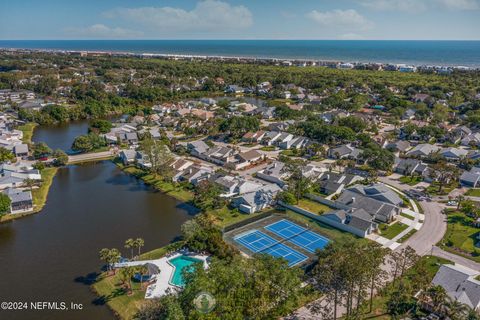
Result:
[[170, 269]]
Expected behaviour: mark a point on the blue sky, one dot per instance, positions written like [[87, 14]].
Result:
[[233, 19]]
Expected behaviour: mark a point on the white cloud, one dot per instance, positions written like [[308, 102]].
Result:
[[461, 4], [208, 15], [102, 31], [346, 19], [396, 5], [351, 36], [420, 5]]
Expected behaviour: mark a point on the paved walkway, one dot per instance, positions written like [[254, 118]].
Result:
[[90, 156], [436, 251]]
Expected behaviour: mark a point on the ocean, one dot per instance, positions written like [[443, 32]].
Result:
[[446, 53]]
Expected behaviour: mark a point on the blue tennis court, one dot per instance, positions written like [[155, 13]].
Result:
[[297, 235], [258, 242]]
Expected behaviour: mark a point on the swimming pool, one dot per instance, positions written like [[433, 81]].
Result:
[[181, 263]]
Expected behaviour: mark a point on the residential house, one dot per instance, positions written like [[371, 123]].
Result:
[[20, 150], [21, 200], [453, 154], [294, 143], [313, 172], [471, 178], [460, 284], [409, 114], [253, 136], [270, 137], [378, 192], [356, 221], [345, 152], [333, 183], [409, 167], [127, 156], [397, 146], [423, 150], [236, 185], [471, 139], [382, 211], [194, 174], [10, 182], [275, 173], [196, 148], [257, 200], [234, 89], [249, 157]]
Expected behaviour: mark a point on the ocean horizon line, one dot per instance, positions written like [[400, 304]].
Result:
[[449, 53]]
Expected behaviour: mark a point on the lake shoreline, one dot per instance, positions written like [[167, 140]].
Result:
[[40, 194]]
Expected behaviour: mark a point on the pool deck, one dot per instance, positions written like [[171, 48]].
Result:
[[162, 285]]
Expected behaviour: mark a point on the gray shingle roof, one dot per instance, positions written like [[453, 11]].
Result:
[[459, 283]]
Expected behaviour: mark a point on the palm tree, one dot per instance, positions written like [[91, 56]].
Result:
[[129, 272], [141, 270], [30, 183], [110, 256], [457, 310], [139, 242], [104, 256], [437, 297], [114, 256], [130, 244], [460, 198]]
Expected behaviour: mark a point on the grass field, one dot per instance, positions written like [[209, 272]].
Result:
[[407, 216], [408, 235], [226, 216], [411, 181], [391, 231], [460, 237], [268, 148], [313, 206], [446, 189], [110, 290], [27, 130], [473, 192]]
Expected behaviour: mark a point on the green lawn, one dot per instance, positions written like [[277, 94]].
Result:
[[407, 216], [473, 192], [391, 231], [226, 216], [420, 209], [313, 206], [27, 130], [408, 235], [411, 181], [433, 188], [110, 290], [460, 237], [289, 153], [323, 229], [40, 194], [268, 148]]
